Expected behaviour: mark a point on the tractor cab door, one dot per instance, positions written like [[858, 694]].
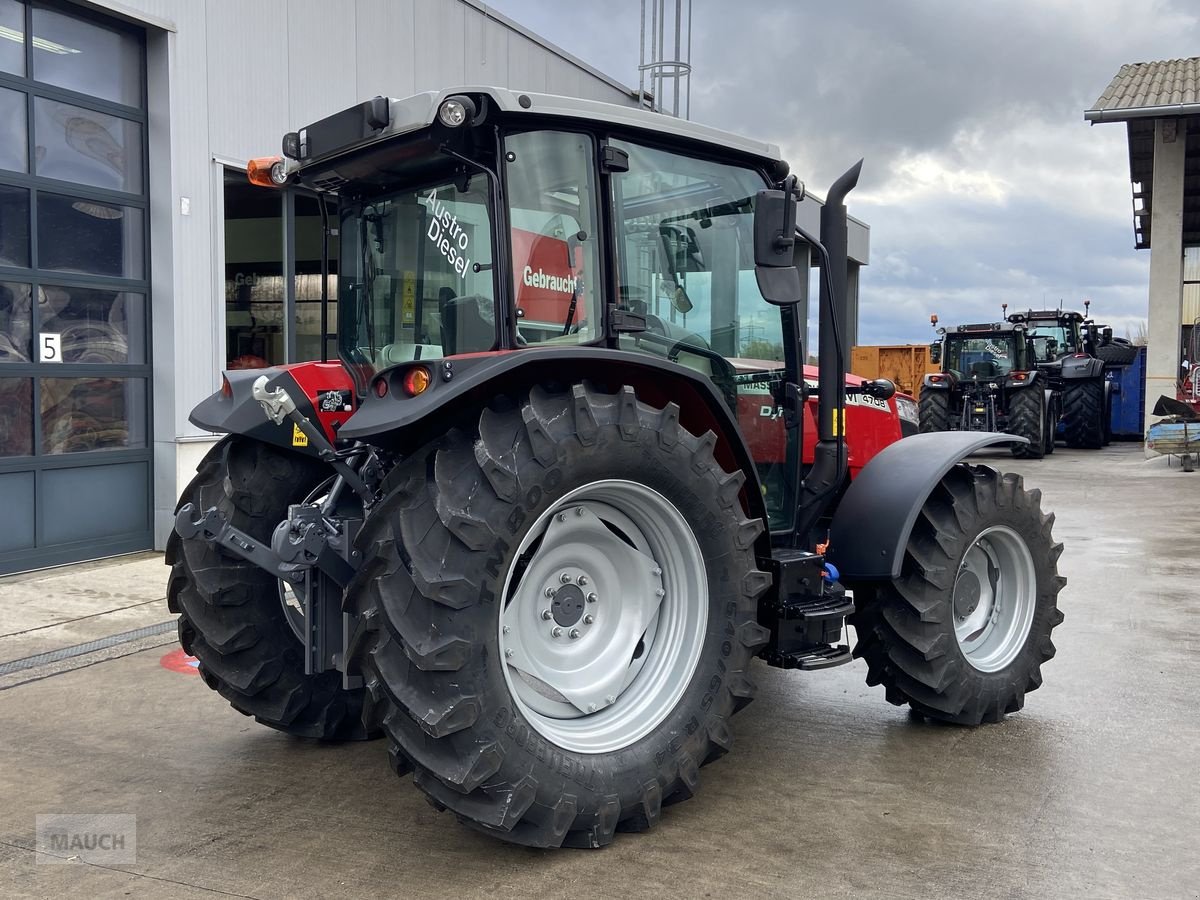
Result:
[[685, 260]]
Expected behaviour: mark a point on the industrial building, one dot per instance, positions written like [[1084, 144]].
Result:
[[1159, 103]]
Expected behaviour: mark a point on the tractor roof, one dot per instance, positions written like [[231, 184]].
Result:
[[1055, 314], [373, 121]]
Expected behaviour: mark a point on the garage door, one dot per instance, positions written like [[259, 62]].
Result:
[[75, 470]]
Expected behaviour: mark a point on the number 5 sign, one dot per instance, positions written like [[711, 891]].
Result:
[[51, 347]]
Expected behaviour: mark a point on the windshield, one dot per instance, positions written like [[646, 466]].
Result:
[[416, 274], [982, 357], [1051, 341]]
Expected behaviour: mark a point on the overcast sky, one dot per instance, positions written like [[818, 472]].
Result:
[[982, 183]]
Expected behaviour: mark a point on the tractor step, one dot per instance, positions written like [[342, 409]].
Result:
[[819, 656], [816, 609]]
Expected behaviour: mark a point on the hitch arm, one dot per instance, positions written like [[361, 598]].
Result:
[[212, 526]]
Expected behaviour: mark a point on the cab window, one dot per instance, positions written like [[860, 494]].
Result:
[[552, 215]]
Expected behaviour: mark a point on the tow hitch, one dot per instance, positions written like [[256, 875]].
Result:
[[312, 550]]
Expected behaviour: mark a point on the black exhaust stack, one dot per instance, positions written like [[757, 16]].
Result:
[[829, 463]]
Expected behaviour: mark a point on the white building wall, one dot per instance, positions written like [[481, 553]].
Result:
[[227, 79]]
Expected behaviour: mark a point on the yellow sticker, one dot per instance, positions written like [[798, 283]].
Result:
[[838, 422], [299, 438]]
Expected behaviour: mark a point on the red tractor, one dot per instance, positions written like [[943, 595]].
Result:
[[570, 476]]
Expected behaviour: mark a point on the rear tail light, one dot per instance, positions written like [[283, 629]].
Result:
[[1080, 356], [937, 379], [1020, 376], [226, 387], [416, 380], [381, 388]]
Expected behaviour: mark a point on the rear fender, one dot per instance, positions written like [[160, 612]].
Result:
[[1083, 367], [461, 385], [324, 394], [872, 524]]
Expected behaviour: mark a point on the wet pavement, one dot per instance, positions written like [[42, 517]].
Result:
[[1091, 791]]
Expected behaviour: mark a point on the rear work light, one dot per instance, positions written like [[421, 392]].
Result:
[[417, 380]]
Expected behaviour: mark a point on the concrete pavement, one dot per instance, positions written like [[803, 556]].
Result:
[[1091, 791]]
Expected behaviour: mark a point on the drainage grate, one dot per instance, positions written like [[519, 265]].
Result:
[[53, 656]]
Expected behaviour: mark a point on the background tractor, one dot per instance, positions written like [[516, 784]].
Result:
[[1075, 355], [989, 381], [570, 477]]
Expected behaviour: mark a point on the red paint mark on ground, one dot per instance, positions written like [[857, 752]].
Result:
[[178, 661]]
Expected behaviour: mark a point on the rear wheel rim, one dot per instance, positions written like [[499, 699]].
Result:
[[605, 615], [994, 598]]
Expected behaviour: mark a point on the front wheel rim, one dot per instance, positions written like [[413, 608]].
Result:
[[994, 598], [605, 616]]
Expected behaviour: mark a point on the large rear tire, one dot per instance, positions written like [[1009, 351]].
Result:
[[1083, 413], [558, 612], [232, 615], [1027, 419], [962, 634], [933, 410]]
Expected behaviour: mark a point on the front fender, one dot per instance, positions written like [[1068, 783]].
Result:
[[873, 522]]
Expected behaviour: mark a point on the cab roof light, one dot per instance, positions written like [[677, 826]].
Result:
[[268, 171]]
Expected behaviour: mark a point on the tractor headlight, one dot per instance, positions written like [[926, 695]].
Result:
[[907, 409], [456, 111]]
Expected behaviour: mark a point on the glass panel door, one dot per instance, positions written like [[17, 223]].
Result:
[[686, 260]]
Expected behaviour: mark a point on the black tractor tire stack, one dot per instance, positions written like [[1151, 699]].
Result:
[[1119, 353], [231, 616]]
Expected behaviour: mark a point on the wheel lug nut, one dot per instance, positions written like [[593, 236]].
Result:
[[505, 630], [610, 699], [547, 615], [575, 632], [562, 517], [556, 631], [564, 578], [588, 620], [579, 510], [581, 580], [508, 654], [549, 592], [656, 571], [591, 707], [660, 593], [591, 598]]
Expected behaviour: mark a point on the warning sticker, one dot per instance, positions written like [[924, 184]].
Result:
[[299, 438]]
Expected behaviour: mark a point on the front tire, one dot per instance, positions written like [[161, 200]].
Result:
[[558, 613], [1083, 411], [933, 410], [962, 634], [232, 615], [1027, 418]]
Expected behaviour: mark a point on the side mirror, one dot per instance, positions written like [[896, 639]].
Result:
[[935, 353], [774, 240], [880, 388], [1106, 337]]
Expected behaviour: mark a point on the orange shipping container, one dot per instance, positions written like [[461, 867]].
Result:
[[904, 364]]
